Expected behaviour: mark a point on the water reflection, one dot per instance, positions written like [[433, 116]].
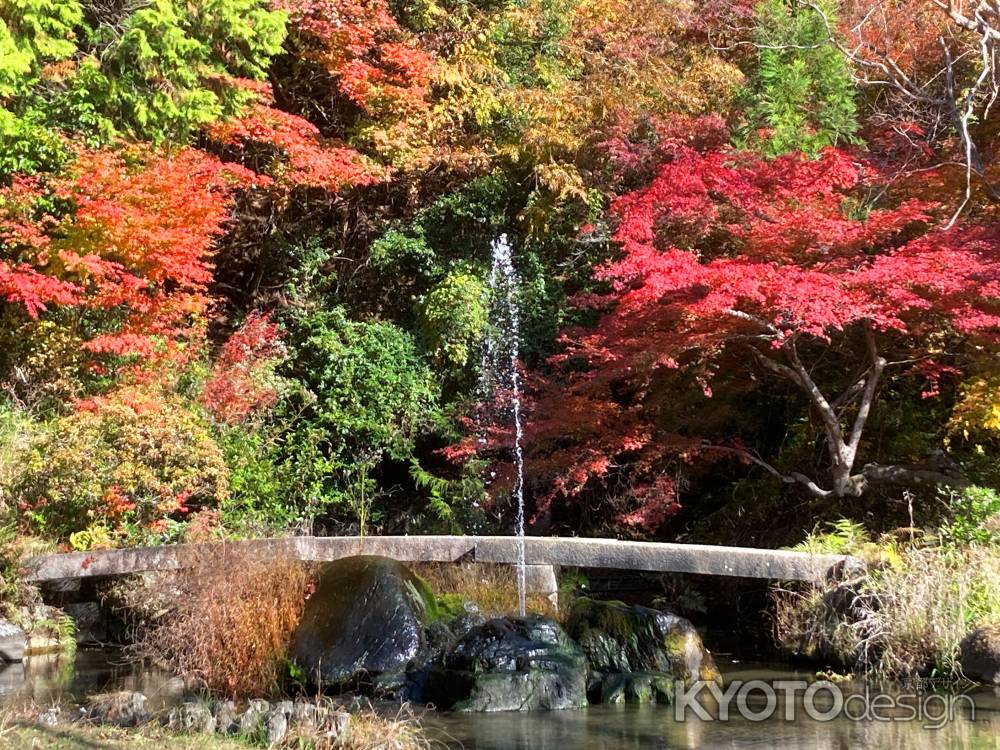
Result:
[[51, 680], [628, 727]]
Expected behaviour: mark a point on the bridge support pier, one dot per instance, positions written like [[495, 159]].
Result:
[[542, 580]]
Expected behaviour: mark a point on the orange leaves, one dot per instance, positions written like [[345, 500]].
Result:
[[303, 156], [371, 59], [135, 238]]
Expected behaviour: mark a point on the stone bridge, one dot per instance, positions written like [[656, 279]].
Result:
[[542, 554]]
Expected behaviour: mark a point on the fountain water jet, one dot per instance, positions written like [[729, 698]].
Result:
[[499, 377]]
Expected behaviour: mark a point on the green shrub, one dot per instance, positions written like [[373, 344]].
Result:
[[453, 318], [973, 517], [802, 95]]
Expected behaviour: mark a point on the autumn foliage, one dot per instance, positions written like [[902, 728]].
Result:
[[122, 233], [244, 248], [723, 251]]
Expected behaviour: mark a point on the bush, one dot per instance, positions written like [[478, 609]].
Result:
[[224, 623], [895, 620], [973, 517], [368, 398], [453, 320], [133, 464]]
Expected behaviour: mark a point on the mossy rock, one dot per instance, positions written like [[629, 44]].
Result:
[[632, 687], [629, 639], [979, 655]]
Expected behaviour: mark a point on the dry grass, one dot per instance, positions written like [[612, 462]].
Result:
[[492, 588], [905, 619], [225, 623], [369, 730]]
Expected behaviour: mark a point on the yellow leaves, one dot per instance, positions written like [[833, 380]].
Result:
[[977, 413], [557, 184]]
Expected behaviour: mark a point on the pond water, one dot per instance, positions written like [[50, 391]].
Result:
[[974, 721]]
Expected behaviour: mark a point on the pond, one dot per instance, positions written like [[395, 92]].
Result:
[[974, 722]]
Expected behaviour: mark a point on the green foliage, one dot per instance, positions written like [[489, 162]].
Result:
[[368, 397], [370, 385], [32, 33], [156, 73], [456, 503], [264, 489], [531, 54], [846, 537], [168, 70], [453, 319], [973, 517], [26, 145], [801, 97]]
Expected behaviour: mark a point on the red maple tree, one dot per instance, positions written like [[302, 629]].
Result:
[[730, 258]]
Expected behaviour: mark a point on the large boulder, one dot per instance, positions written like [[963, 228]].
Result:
[[979, 655], [636, 653], [365, 623], [510, 664]]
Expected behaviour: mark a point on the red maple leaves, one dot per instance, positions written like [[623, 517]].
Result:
[[725, 252]]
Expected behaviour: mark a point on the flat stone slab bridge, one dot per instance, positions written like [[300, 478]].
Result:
[[542, 555]]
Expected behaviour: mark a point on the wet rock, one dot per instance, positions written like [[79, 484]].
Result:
[[12, 642], [636, 652], [364, 623], [192, 718], [510, 664], [635, 687], [121, 709], [91, 626], [979, 655]]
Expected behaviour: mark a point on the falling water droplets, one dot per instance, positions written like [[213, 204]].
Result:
[[500, 380]]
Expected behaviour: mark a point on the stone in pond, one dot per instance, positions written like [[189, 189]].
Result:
[[650, 647], [12, 641], [979, 655], [510, 664], [365, 623]]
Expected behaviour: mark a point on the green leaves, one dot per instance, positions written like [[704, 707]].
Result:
[[156, 74], [802, 95], [371, 387], [453, 319], [33, 32]]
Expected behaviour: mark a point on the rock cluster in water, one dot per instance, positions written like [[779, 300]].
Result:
[[373, 623], [636, 653], [510, 664]]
